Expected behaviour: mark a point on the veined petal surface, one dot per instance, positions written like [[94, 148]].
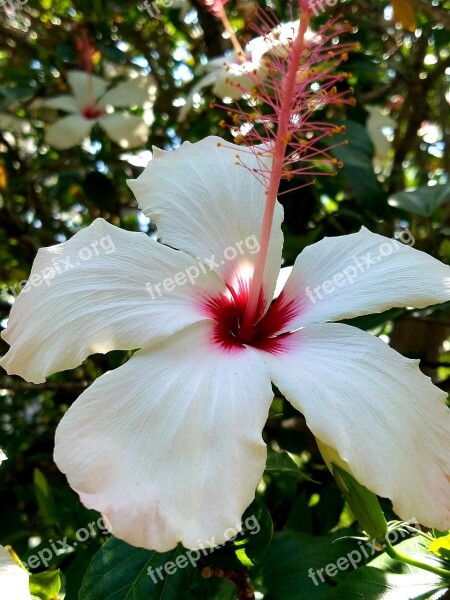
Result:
[[105, 289], [386, 420], [168, 447], [359, 274], [206, 204]]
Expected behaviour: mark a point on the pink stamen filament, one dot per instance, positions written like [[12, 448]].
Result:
[[235, 42], [246, 330]]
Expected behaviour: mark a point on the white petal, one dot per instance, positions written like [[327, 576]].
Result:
[[283, 276], [275, 43], [10, 123], [384, 418], [234, 79], [68, 131], [168, 447], [204, 203], [129, 131], [64, 102], [130, 93], [104, 289], [14, 581], [2, 456], [220, 72], [228, 74], [207, 80], [87, 88], [335, 279]]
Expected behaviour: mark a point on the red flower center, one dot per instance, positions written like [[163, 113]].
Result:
[[91, 112], [269, 331]]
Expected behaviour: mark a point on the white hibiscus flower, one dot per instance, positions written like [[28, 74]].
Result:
[[169, 445], [91, 103]]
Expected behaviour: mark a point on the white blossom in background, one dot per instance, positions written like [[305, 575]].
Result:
[[380, 127], [14, 580], [230, 77], [3, 456], [91, 103], [10, 124]]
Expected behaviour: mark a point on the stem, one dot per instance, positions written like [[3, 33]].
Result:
[[281, 141], [227, 26], [393, 553]]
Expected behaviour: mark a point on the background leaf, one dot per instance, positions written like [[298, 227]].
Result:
[[122, 572], [423, 201]]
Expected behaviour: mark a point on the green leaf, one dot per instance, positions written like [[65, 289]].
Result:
[[416, 547], [122, 572], [295, 564], [45, 585], [374, 584], [363, 502], [281, 463], [423, 201], [316, 513], [390, 579], [211, 588], [357, 151], [250, 545], [375, 322], [44, 497], [356, 155]]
